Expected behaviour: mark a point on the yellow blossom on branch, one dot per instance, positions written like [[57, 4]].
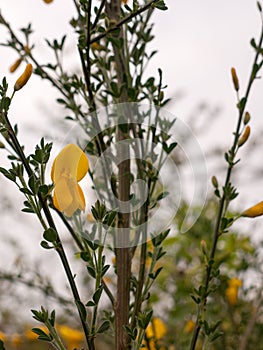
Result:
[[69, 167], [23, 79]]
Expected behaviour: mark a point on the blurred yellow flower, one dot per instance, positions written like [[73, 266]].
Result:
[[71, 336], [69, 167], [16, 340], [15, 65], [232, 290], [190, 325], [48, 1], [154, 332], [2, 336]]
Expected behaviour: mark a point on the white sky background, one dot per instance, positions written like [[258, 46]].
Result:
[[198, 42]]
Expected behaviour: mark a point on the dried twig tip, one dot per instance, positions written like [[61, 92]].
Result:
[[235, 79]]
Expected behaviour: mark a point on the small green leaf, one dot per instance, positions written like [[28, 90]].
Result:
[[90, 303], [82, 310], [50, 235], [91, 271], [41, 334], [45, 245], [103, 327], [160, 5], [97, 295]]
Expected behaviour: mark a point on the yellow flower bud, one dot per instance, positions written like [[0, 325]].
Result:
[[235, 79], [23, 79], [244, 137], [48, 1], [252, 212], [246, 118], [14, 66]]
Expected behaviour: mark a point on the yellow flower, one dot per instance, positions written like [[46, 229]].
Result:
[[232, 290], [235, 282], [23, 79], [252, 212], [48, 1], [71, 336], [69, 167], [154, 332], [156, 329]]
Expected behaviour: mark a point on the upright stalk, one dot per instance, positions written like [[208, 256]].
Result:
[[223, 205]]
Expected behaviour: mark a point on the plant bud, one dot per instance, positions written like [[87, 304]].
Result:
[[23, 79], [252, 212], [14, 66], [161, 96], [27, 49], [203, 247], [235, 79], [246, 118], [244, 137], [214, 181]]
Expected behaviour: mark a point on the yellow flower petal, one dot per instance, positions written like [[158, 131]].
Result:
[[63, 194], [68, 168], [71, 160]]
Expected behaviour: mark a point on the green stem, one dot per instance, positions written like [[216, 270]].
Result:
[[222, 207], [59, 247], [56, 339]]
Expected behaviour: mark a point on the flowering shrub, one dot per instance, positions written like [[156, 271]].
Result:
[[194, 297]]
